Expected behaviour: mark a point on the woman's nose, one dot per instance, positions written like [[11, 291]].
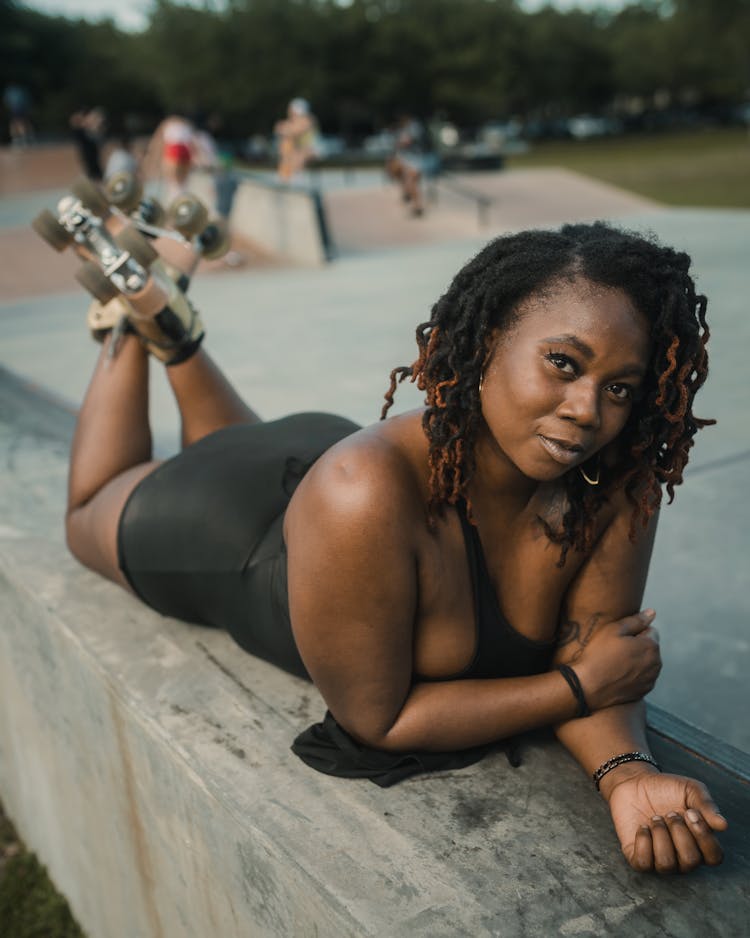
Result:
[[581, 404]]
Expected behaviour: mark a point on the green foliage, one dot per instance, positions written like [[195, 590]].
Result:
[[364, 62], [29, 905], [704, 168]]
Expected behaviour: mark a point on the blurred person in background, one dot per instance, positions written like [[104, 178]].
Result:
[[17, 101], [170, 155], [297, 134], [121, 158], [87, 126], [407, 164]]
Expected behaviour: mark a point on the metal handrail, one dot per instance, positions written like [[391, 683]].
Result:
[[483, 202]]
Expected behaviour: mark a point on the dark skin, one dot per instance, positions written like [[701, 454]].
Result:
[[380, 599]]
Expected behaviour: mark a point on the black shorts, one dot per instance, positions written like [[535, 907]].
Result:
[[201, 538]]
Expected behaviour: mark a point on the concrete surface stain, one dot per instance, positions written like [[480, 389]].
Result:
[[228, 744], [471, 814], [225, 670], [142, 858]]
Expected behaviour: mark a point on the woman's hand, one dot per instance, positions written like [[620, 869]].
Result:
[[665, 823], [621, 661]]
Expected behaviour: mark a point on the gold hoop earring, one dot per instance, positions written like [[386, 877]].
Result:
[[588, 478], [481, 381]]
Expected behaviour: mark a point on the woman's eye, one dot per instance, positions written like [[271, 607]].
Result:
[[562, 363], [622, 392]]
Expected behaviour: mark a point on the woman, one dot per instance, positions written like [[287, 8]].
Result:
[[296, 134], [388, 563], [170, 154], [408, 163]]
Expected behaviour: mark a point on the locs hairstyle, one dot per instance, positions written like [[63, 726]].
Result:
[[485, 294]]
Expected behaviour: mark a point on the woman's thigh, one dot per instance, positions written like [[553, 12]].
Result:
[[92, 529]]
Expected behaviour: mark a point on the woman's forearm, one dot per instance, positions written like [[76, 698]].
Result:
[[450, 715], [604, 734]]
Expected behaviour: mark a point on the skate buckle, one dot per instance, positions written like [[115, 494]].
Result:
[[118, 331]]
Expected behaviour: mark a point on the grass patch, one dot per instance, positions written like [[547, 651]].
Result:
[[30, 907], [701, 168]]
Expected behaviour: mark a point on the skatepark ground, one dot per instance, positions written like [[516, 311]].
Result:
[[326, 339]]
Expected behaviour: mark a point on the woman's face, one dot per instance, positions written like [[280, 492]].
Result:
[[560, 381]]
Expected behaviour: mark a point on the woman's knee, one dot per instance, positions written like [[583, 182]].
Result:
[[78, 535], [92, 541]]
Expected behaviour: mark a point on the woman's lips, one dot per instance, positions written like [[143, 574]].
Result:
[[565, 453]]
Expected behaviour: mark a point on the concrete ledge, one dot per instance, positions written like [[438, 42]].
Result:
[[286, 220], [147, 763]]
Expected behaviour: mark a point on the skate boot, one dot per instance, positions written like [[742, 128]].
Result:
[[134, 288]]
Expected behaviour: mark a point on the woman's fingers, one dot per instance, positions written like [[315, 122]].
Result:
[[682, 843], [643, 851], [688, 853], [634, 625], [705, 838], [665, 854], [675, 844], [699, 798]]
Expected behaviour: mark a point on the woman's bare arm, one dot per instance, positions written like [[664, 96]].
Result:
[[664, 822], [609, 586]]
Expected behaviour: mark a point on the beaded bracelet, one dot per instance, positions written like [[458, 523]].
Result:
[[575, 685], [621, 760]]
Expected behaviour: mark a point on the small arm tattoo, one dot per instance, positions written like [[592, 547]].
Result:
[[572, 632]]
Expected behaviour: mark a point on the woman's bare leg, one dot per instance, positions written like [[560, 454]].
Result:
[[111, 453], [413, 188], [206, 400]]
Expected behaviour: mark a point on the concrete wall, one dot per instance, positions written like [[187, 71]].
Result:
[[286, 220], [147, 763]]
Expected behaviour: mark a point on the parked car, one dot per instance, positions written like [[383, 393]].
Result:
[[585, 126]]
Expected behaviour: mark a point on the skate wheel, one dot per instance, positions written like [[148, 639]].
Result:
[[214, 239], [151, 212], [124, 190], [91, 196], [48, 227], [92, 278], [138, 246], [188, 215]]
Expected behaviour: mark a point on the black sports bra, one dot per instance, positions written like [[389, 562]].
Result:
[[500, 650]]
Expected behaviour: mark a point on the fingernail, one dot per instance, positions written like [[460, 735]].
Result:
[[692, 815], [649, 613], [657, 817], [673, 814]]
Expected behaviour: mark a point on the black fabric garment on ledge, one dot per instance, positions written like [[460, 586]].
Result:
[[328, 748]]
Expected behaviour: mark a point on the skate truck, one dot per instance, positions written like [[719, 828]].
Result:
[[116, 231]]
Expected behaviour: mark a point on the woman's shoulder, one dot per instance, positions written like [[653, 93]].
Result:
[[379, 471]]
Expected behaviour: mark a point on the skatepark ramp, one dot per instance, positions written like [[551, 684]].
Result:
[[147, 763], [287, 220]]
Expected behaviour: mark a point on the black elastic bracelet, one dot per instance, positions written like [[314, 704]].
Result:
[[621, 760], [575, 685]]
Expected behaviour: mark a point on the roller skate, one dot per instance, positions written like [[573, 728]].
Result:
[[124, 241]]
